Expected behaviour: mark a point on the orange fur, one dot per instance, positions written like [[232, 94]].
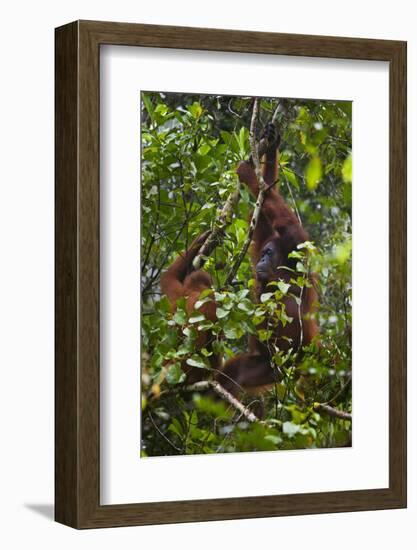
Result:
[[278, 227]]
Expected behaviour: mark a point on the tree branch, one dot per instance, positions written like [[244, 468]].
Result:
[[215, 236], [263, 144], [331, 411], [261, 195], [224, 394], [341, 391]]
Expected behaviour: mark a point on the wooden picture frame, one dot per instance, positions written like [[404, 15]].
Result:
[[77, 405]]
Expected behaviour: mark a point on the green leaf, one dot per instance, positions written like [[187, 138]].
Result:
[[148, 104], [196, 361], [227, 138], [221, 313], [313, 173], [290, 429], [283, 287], [162, 109], [184, 349], [243, 139], [342, 252], [281, 390], [300, 267], [266, 296], [175, 374], [205, 293], [291, 177], [347, 194], [199, 303], [306, 244], [273, 439], [258, 320], [205, 325], [232, 333], [196, 318], [347, 169], [242, 293], [204, 149], [295, 254], [189, 332], [251, 283], [264, 335], [216, 409], [245, 306], [196, 110], [176, 427], [180, 317]]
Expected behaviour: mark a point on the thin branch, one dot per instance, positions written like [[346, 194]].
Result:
[[263, 144], [162, 434], [341, 391], [217, 233], [331, 411], [157, 270], [260, 199], [155, 227], [229, 106], [299, 304], [278, 109], [224, 394], [215, 237], [293, 201]]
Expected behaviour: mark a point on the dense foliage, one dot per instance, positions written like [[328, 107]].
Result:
[[190, 148]]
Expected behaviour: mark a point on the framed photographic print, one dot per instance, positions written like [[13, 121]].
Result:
[[230, 274]]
